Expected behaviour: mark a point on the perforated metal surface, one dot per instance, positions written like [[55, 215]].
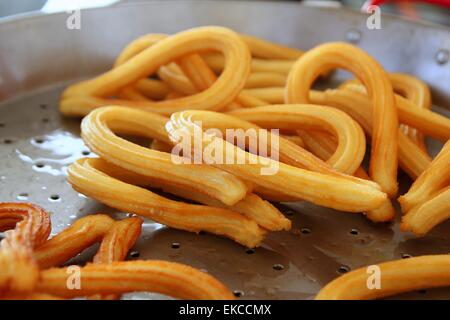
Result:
[[37, 144]]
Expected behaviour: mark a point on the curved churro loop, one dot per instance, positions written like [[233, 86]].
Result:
[[423, 217], [383, 164], [412, 159], [116, 237], [80, 235], [289, 152], [170, 278], [395, 277], [435, 177], [81, 98], [175, 78], [202, 77], [252, 206], [259, 48], [32, 227], [97, 134], [426, 121], [427, 203], [414, 90], [87, 179], [106, 276], [118, 240], [323, 145], [351, 142], [312, 186], [116, 244]]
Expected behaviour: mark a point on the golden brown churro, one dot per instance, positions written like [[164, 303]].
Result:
[[88, 180], [252, 206], [383, 164], [81, 98], [395, 277], [312, 186], [31, 228], [98, 135], [412, 159], [417, 92], [106, 276], [351, 144], [173, 279], [427, 203]]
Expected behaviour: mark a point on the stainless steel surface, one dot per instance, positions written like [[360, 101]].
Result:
[[39, 56]]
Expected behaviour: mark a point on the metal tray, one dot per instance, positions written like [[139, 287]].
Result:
[[39, 56]]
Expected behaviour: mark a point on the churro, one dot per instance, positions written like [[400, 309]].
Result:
[[412, 159], [351, 142], [383, 164], [170, 278], [417, 92], [80, 98], [427, 203], [395, 277], [312, 186], [105, 278], [87, 179], [31, 228]]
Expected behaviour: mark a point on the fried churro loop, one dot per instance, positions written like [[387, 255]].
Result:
[[351, 142], [98, 135], [85, 177], [107, 277], [326, 146], [323, 145], [115, 245], [415, 91], [83, 97], [428, 122], [383, 164], [427, 203], [396, 277], [412, 159], [316, 187], [116, 238], [80, 235], [289, 152], [31, 228], [189, 75], [423, 217], [252, 206], [170, 278]]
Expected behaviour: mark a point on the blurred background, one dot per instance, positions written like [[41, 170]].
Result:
[[437, 11]]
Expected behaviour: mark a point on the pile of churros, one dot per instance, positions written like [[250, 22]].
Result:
[[31, 263], [202, 83]]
